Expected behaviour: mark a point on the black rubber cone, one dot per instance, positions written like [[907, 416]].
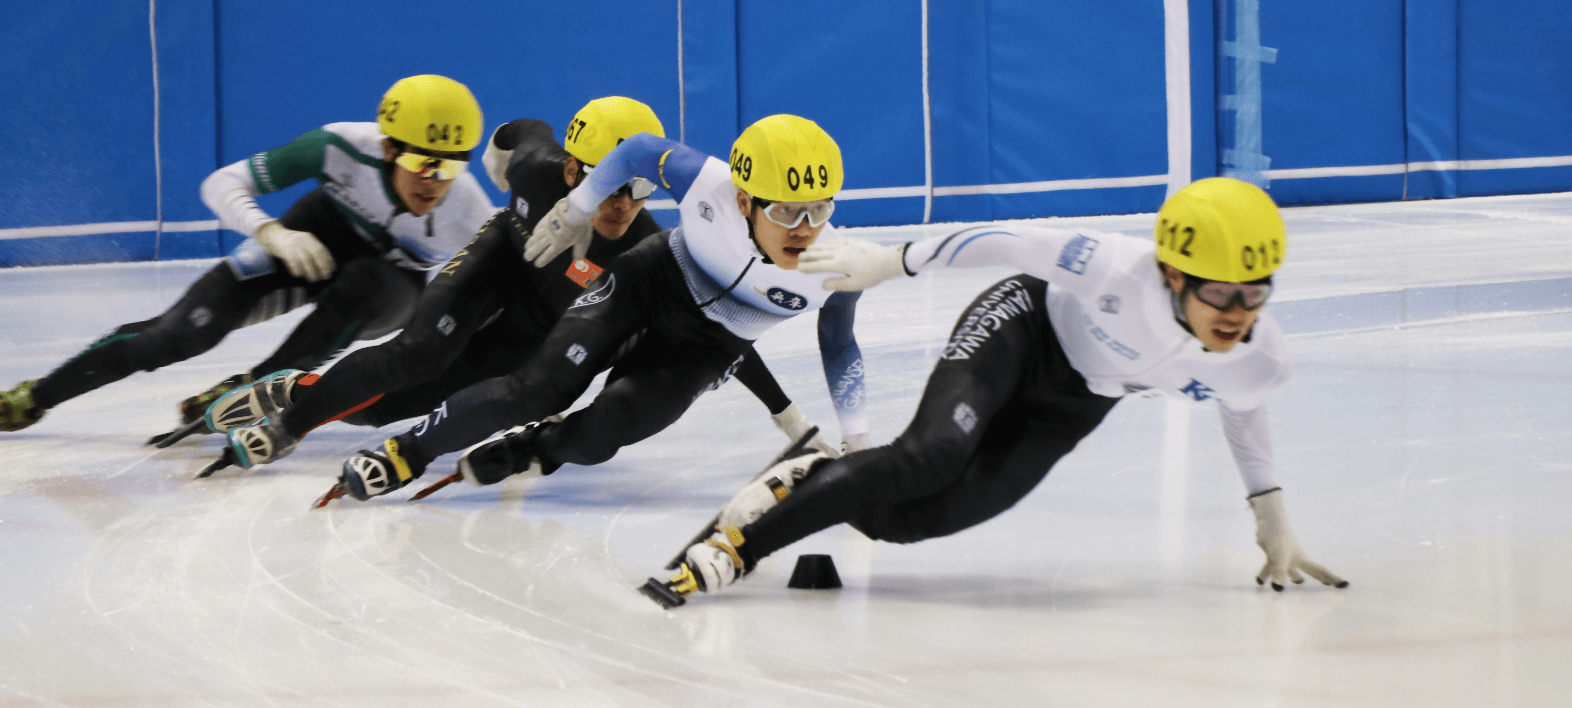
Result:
[[814, 571]]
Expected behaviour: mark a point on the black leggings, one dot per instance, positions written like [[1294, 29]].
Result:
[[366, 298], [1001, 407], [639, 316]]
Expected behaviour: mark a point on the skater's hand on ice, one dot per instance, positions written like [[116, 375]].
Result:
[[303, 255], [561, 228], [1284, 558], [865, 263]]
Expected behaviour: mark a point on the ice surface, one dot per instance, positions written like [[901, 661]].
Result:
[[1422, 443]]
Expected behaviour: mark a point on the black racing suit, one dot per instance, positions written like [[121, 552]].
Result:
[[990, 425], [486, 312], [366, 297]]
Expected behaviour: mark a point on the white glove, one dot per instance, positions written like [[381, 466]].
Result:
[[561, 228], [1284, 557], [302, 253], [794, 424], [496, 161], [853, 443], [865, 263]]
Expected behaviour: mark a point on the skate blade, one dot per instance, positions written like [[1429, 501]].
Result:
[[166, 439], [445, 481], [662, 594], [339, 489], [222, 462]]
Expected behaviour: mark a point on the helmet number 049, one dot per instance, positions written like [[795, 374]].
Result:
[[794, 180], [741, 164]]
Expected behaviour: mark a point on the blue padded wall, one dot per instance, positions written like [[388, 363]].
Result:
[[1355, 100]]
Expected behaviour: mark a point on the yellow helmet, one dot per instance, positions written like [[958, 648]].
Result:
[[785, 158], [1220, 228], [432, 112], [604, 123]]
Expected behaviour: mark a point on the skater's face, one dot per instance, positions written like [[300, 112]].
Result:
[[420, 194], [616, 212], [1218, 330], [782, 244]]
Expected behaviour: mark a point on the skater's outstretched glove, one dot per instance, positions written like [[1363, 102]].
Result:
[[864, 263], [561, 228], [794, 424], [303, 255], [1284, 558], [496, 160]]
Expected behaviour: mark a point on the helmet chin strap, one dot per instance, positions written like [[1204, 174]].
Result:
[[754, 209]]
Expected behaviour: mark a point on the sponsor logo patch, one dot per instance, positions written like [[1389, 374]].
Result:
[[201, 316], [706, 211], [1077, 253], [965, 417], [1109, 304], [785, 299], [596, 295], [576, 354], [446, 325], [521, 207], [583, 272], [1197, 390]]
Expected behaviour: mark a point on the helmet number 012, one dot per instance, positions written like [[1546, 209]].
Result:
[[795, 180], [1248, 256], [1171, 240]]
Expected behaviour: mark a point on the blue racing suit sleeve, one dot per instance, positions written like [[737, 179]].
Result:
[[843, 368], [671, 165]]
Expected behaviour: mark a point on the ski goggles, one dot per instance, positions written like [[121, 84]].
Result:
[[790, 215], [1223, 295], [427, 166], [638, 189]]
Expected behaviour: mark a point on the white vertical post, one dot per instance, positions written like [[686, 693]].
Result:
[[1176, 41], [682, 88], [158, 158], [927, 125]]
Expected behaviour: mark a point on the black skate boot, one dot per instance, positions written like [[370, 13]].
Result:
[[17, 409], [515, 452], [192, 408]]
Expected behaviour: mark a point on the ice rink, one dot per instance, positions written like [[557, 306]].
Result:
[[1423, 445]]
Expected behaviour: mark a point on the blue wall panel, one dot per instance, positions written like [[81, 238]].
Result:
[[77, 118], [1515, 92], [859, 77], [1430, 94], [188, 134], [1334, 95]]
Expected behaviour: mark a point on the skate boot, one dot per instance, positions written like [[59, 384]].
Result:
[[513, 453], [706, 567], [249, 404], [192, 408], [770, 488], [17, 410], [259, 444], [376, 472]]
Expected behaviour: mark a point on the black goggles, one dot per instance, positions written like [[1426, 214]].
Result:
[[1224, 295]]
